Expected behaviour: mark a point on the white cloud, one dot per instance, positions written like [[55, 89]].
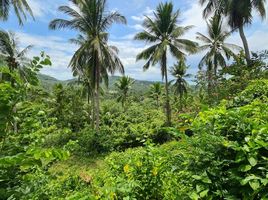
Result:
[[147, 12], [61, 51], [193, 16], [137, 27], [57, 48], [140, 18]]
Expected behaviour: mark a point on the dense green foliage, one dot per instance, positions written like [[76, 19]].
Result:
[[225, 158], [80, 139]]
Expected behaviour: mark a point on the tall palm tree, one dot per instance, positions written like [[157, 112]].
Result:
[[165, 36], [124, 85], [14, 57], [179, 71], [156, 92], [20, 7], [218, 50], [239, 14], [91, 19]]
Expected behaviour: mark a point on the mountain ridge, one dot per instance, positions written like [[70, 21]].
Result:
[[48, 82]]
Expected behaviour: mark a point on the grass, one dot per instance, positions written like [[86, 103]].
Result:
[[76, 165]]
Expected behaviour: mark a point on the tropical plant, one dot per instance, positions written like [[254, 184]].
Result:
[[91, 19], [180, 84], [124, 85], [20, 7], [9, 50], [165, 35], [216, 47], [156, 92], [17, 60], [239, 14]]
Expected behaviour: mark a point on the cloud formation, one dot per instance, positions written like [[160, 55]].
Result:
[[56, 44]]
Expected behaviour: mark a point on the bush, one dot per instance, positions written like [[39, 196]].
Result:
[[131, 128], [226, 158]]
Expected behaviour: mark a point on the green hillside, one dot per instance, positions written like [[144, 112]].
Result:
[[47, 82]]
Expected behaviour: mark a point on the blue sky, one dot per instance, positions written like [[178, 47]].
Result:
[[56, 45]]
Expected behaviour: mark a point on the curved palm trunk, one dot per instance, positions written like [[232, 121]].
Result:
[[245, 44], [168, 108]]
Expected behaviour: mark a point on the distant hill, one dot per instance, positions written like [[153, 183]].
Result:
[[48, 82]]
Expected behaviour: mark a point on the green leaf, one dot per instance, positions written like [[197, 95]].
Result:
[[206, 180], [252, 161], [248, 178], [245, 168], [204, 193], [46, 62], [196, 177], [194, 196], [264, 181], [255, 184]]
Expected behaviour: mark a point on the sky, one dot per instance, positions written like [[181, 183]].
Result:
[[56, 43]]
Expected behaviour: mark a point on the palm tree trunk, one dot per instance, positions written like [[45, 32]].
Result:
[[245, 44], [88, 94], [180, 102], [209, 78], [91, 105], [15, 124], [93, 111], [97, 95], [168, 109], [97, 114]]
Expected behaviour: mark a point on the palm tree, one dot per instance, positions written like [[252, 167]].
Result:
[[180, 86], [156, 92], [20, 7], [124, 85], [239, 14], [15, 59], [91, 19], [218, 51], [165, 36]]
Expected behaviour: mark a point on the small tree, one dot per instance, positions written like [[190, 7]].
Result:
[[156, 92], [180, 84], [124, 85]]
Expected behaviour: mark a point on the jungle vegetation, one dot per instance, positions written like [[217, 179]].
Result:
[[176, 139]]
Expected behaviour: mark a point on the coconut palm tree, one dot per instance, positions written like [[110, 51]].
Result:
[[165, 35], [14, 57], [124, 85], [216, 47], [179, 71], [91, 19], [239, 14], [156, 92], [20, 7]]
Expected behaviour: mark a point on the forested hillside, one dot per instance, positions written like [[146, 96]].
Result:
[[105, 137], [47, 82]]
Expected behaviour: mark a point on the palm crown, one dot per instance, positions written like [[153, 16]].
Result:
[[124, 85], [94, 57], [238, 12], [179, 71], [218, 50], [9, 50], [165, 36], [20, 7], [164, 32]]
